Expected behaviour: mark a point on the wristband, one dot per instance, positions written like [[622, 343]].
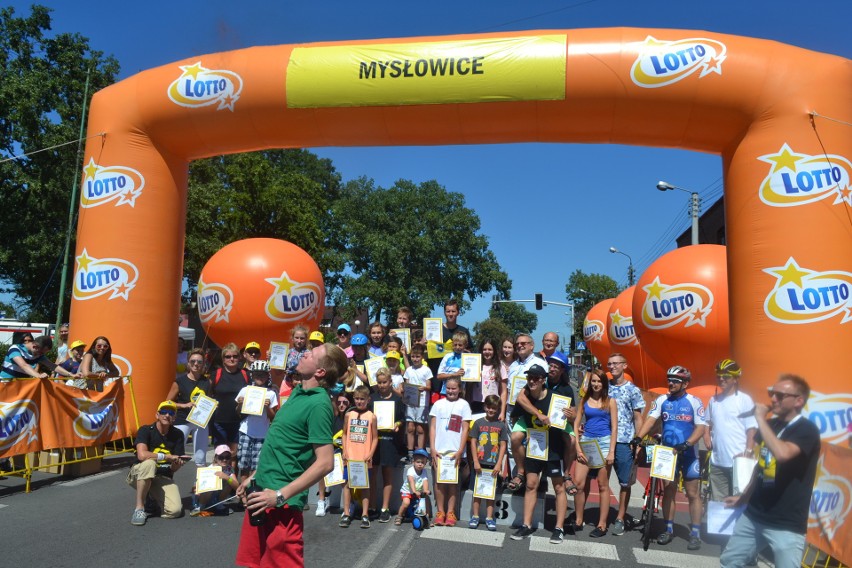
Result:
[[161, 456]]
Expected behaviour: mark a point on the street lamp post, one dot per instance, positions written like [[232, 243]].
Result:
[[630, 278], [694, 206]]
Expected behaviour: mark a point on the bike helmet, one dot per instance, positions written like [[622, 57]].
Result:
[[259, 365], [359, 339], [679, 373], [728, 367]]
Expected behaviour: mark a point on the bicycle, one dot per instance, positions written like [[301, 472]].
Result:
[[653, 497]]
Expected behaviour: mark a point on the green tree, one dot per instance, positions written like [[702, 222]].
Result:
[[491, 328], [8, 311], [42, 83], [516, 316], [586, 290], [411, 245], [280, 194]]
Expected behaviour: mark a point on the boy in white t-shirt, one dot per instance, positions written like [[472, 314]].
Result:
[[253, 428], [417, 417], [448, 428], [414, 485]]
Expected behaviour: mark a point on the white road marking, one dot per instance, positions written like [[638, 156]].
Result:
[[674, 559], [574, 548], [464, 534], [368, 557], [89, 478]]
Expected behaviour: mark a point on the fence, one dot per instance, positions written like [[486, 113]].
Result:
[[48, 426]]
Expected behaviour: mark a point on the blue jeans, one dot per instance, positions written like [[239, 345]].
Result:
[[623, 463], [750, 537]]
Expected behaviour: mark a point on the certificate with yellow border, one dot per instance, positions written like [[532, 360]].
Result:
[[663, 463], [359, 477], [335, 477]]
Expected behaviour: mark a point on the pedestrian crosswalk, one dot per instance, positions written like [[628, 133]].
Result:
[[576, 547]]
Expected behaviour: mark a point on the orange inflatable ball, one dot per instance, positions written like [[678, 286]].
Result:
[[622, 338], [259, 290], [681, 310], [594, 330]]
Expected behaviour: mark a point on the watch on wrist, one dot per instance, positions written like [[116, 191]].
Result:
[[279, 499], [688, 443]]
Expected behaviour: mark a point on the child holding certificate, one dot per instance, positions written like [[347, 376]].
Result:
[[595, 448], [393, 360], [229, 484], [489, 438], [253, 428], [390, 415], [420, 376], [448, 428], [359, 445]]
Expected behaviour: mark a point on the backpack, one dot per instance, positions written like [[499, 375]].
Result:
[[218, 376]]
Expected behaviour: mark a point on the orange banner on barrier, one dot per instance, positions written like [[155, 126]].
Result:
[[20, 405], [37, 415], [829, 525]]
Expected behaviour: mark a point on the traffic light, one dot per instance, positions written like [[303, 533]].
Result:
[[539, 301], [573, 343]]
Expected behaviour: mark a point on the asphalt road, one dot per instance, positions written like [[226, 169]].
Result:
[[86, 522]]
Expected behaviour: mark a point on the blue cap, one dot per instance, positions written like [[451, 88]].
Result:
[[359, 339], [345, 327], [559, 357], [421, 452]]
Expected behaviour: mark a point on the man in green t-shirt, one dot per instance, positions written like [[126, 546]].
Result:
[[296, 454]]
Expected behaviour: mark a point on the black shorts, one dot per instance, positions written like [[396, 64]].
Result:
[[548, 468]]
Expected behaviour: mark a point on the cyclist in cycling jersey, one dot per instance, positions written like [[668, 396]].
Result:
[[683, 425]]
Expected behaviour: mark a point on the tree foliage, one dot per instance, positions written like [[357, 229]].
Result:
[[414, 245], [586, 290], [491, 328], [516, 316], [42, 83], [280, 194]]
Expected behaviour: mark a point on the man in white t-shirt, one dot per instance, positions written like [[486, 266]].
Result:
[[517, 378], [732, 426]]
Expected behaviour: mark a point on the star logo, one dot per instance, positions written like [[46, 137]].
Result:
[[654, 289], [785, 159], [790, 274], [283, 284], [83, 261]]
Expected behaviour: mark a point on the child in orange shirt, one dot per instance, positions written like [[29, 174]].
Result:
[[360, 439]]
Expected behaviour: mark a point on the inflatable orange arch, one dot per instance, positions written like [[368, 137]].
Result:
[[786, 170]]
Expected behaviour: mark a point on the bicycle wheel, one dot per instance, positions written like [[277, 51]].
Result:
[[648, 514]]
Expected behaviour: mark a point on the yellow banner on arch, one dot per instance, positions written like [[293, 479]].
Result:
[[529, 68]]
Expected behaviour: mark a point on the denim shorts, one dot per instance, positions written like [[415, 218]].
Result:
[[623, 463]]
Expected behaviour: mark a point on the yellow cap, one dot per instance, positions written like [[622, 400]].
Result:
[[77, 344], [168, 404], [252, 345], [316, 336], [393, 355]]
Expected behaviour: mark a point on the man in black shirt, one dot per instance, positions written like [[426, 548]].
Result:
[[159, 449], [779, 495]]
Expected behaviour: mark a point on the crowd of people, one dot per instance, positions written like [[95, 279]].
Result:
[[411, 411]]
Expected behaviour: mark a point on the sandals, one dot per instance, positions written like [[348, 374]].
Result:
[[516, 483], [397, 521], [571, 488]]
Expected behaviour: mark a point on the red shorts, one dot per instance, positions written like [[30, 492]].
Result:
[[278, 542]]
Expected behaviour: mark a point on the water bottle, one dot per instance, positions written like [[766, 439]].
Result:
[[258, 519]]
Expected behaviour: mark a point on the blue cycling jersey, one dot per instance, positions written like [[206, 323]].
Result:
[[679, 415]]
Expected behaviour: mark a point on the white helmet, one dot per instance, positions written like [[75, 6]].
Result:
[[679, 373], [260, 365]]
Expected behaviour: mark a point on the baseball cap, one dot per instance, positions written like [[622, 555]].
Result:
[[345, 327], [77, 344], [393, 355], [221, 449], [253, 345], [537, 370], [167, 404], [316, 336], [558, 357], [421, 452]]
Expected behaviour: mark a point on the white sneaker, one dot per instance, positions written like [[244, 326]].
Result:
[[322, 504]]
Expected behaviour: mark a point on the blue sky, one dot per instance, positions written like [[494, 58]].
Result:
[[548, 209]]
